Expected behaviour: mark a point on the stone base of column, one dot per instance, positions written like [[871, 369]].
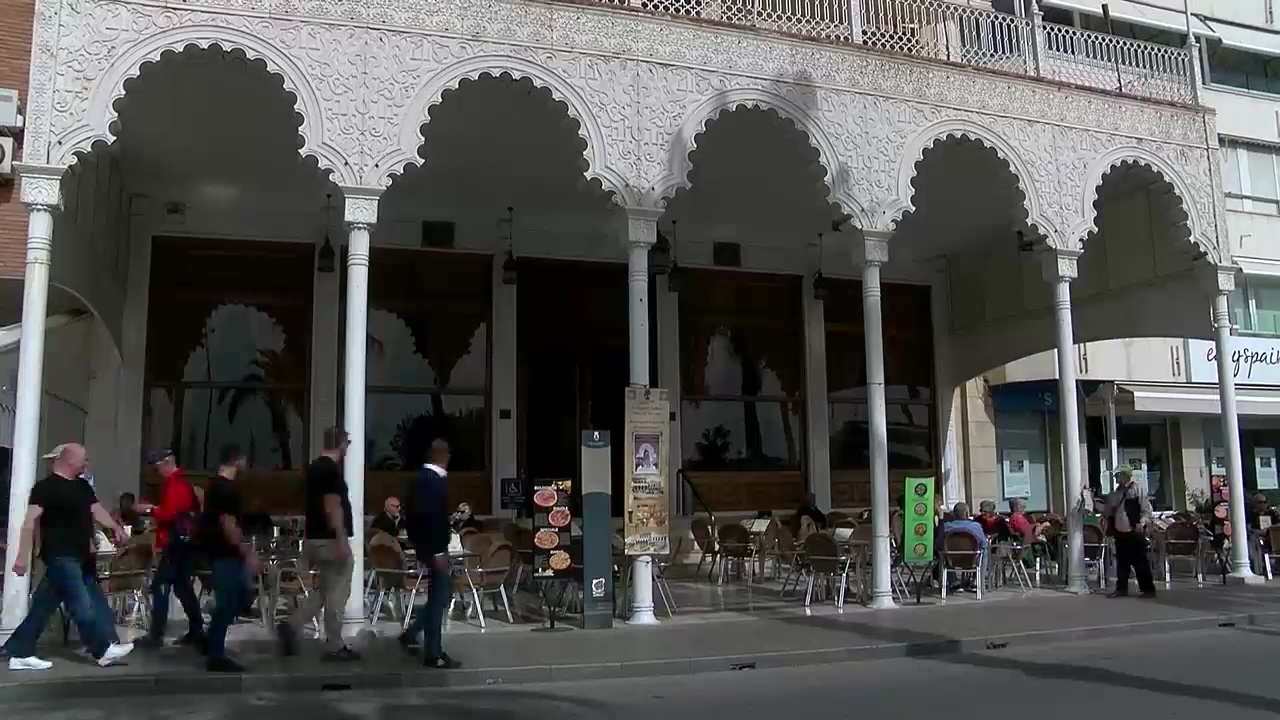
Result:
[[882, 602], [1245, 577], [1078, 590]]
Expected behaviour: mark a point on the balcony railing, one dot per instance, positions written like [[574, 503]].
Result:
[[969, 32]]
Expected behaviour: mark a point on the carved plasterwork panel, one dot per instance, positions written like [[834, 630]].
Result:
[[641, 90]]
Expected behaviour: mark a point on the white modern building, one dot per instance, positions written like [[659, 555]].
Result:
[[1153, 402], [810, 222]]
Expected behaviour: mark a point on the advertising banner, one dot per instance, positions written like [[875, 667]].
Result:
[[646, 527], [919, 521], [1264, 460], [552, 518]]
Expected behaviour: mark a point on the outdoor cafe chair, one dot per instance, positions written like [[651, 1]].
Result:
[[824, 564], [1270, 549], [736, 549], [1183, 541], [707, 549], [962, 556], [1095, 552], [392, 579], [490, 578], [126, 581]]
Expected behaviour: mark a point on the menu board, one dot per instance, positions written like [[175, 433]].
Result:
[[552, 520], [646, 523], [917, 546]]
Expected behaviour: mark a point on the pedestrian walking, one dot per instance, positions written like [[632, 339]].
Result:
[[175, 518], [1128, 514], [64, 508], [231, 557], [427, 525], [327, 548]]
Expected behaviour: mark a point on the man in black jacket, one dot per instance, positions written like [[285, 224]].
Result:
[[426, 521]]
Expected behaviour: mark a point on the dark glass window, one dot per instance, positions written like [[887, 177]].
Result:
[[908, 357], [228, 350], [743, 380], [1244, 70]]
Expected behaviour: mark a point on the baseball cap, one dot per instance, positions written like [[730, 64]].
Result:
[[156, 456], [55, 452]]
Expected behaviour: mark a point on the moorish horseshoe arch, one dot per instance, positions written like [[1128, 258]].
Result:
[[417, 113], [101, 113], [916, 148], [703, 115], [1102, 166]]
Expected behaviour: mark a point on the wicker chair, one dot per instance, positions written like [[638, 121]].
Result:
[[1095, 552], [490, 578], [126, 581], [736, 548], [706, 546], [823, 563], [961, 556], [1183, 541], [392, 581]]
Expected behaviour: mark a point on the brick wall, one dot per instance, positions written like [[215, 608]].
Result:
[[15, 57]]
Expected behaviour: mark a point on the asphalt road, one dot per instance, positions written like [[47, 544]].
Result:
[[1228, 674]]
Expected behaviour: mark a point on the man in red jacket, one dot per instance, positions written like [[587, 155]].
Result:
[[175, 517]]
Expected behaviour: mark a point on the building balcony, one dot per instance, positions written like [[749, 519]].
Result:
[[1011, 39]]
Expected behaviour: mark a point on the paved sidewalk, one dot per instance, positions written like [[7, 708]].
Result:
[[772, 639]]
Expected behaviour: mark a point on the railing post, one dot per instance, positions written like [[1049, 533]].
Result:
[[1037, 38], [1193, 59], [855, 21]]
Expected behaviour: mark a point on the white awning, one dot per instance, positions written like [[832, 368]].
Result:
[[1254, 40], [1137, 13], [1265, 267], [1197, 400]]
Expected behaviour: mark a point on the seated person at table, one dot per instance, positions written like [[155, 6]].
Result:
[[127, 514], [809, 509], [1020, 527], [389, 520], [462, 519], [961, 521], [992, 522]]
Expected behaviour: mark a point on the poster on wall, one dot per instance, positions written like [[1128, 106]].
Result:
[[646, 527], [1136, 460], [1217, 461], [1265, 461], [917, 546], [1017, 474]]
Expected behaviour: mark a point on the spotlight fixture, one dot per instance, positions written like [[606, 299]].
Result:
[[821, 286], [510, 268], [326, 258], [660, 255]]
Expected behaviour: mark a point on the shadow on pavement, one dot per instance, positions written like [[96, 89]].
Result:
[[941, 648]]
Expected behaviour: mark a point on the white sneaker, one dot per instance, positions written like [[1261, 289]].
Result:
[[29, 663], [117, 651]]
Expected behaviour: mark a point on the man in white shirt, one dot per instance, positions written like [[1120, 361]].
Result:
[[1128, 514]]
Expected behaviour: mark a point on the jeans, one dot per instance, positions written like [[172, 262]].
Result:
[[229, 593], [174, 573], [431, 617], [65, 583]]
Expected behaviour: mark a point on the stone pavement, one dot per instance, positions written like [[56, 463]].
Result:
[[772, 638]]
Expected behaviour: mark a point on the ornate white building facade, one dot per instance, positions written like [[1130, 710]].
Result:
[[1046, 183]]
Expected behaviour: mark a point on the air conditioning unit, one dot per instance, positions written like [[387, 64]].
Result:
[[6, 157], [10, 118]]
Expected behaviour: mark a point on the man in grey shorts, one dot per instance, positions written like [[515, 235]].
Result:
[[327, 548]]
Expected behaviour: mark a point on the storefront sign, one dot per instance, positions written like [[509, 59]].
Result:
[[1264, 460], [646, 527], [920, 522], [1017, 474], [1255, 361]]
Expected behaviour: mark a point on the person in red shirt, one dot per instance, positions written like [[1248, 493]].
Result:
[[175, 517]]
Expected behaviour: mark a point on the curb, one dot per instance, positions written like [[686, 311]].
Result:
[[194, 683]]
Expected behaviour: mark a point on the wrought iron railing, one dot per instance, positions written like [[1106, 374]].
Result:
[[969, 32]]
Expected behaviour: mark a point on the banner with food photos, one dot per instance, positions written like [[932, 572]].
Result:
[[646, 524], [918, 521], [552, 518]]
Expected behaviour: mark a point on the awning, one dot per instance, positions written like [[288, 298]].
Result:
[[1136, 13], [1248, 39], [1258, 266], [1195, 400]]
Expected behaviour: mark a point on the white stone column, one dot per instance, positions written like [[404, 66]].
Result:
[[503, 381], [875, 255], [133, 344], [361, 215], [642, 232], [1226, 283], [1060, 268], [817, 420], [41, 192]]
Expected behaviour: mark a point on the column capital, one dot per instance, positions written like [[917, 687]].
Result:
[[41, 185], [1222, 279], [361, 209], [875, 247], [642, 226], [1060, 264]]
